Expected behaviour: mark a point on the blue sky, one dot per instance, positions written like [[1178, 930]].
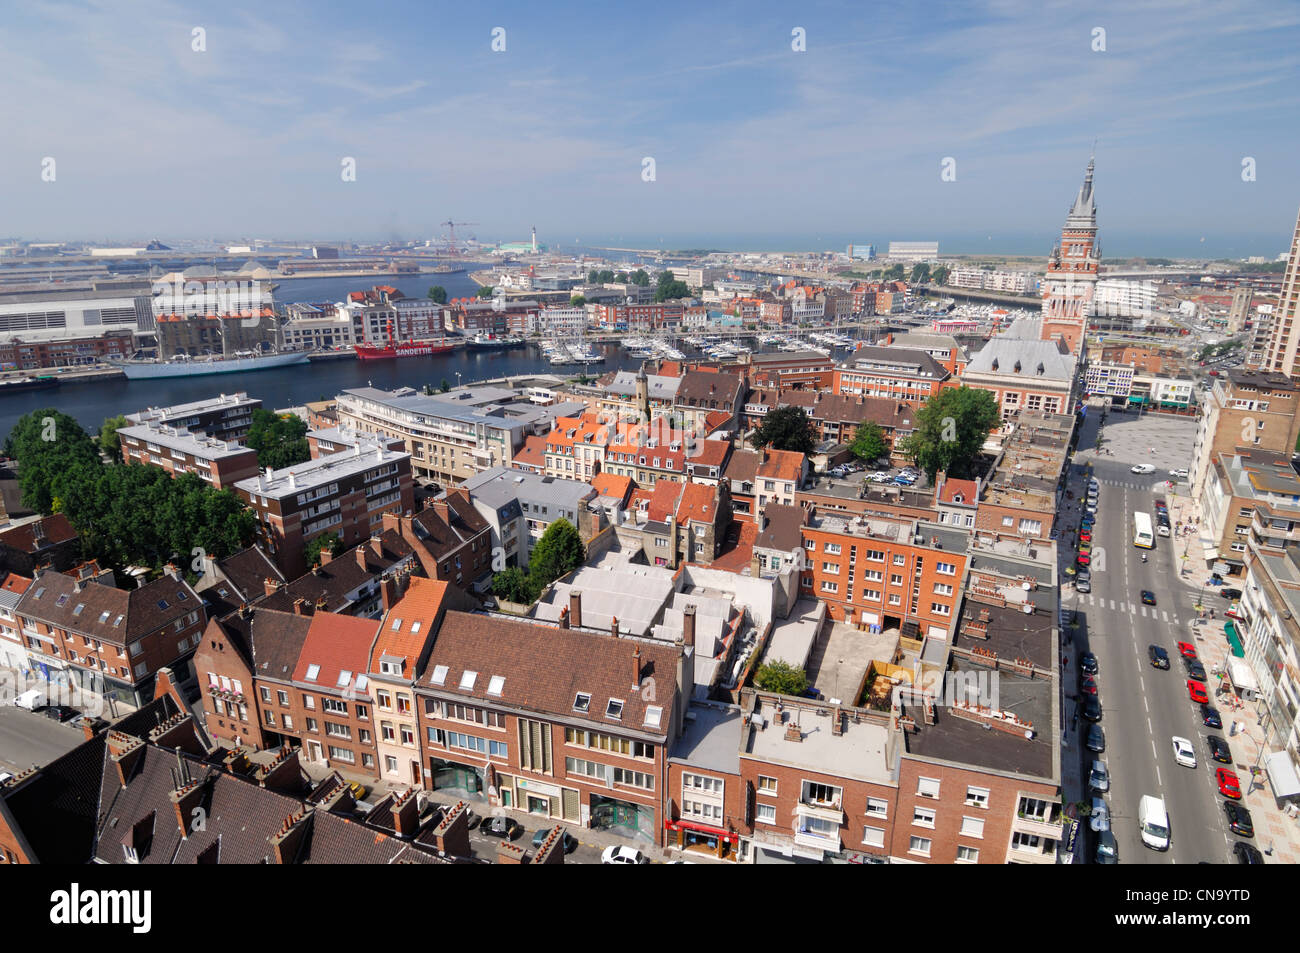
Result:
[[754, 144]]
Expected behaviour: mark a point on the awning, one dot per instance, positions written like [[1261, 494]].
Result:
[[1282, 774], [725, 836], [1234, 640], [1240, 675], [1210, 552]]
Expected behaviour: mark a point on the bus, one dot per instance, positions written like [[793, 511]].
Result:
[[1142, 536]]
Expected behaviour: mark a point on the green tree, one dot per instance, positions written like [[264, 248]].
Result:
[[577, 301], [605, 276], [668, 288], [48, 445], [559, 551], [438, 294], [108, 441], [485, 291], [950, 428], [920, 272], [940, 275], [593, 277], [786, 428], [621, 276], [869, 443], [781, 677], [640, 277], [514, 585], [444, 386], [280, 441], [892, 273], [318, 543]]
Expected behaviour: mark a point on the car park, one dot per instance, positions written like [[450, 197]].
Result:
[[501, 826], [1091, 708], [1239, 821], [1196, 691], [1148, 597], [1158, 656], [1229, 785], [1210, 716], [1088, 663], [1194, 669], [621, 854], [1096, 739], [1099, 777], [1219, 749], [1246, 853], [1183, 752], [1187, 650]]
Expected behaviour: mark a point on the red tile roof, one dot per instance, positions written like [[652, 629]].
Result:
[[15, 583], [532, 453], [399, 636], [336, 643], [612, 485]]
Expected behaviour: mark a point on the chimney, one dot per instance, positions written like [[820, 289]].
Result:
[[361, 557], [286, 842], [792, 732], [283, 774], [636, 668], [613, 626], [178, 732], [837, 721], [38, 531], [185, 799], [126, 753], [237, 762], [325, 556], [508, 853], [575, 608], [451, 836], [270, 585], [388, 592], [564, 617], [298, 606], [688, 625], [170, 570], [406, 813]]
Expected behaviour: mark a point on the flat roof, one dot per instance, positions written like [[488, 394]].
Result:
[[792, 639], [861, 752], [301, 477], [239, 399], [711, 740], [174, 438]]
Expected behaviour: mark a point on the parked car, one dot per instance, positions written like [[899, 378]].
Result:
[[1219, 749], [1148, 597], [621, 854], [1183, 752], [1239, 821], [1142, 468], [1230, 593], [1099, 777], [1099, 818], [1180, 473], [61, 713], [1096, 739], [1210, 716], [570, 842], [1088, 663], [1187, 650], [1246, 854], [359, 790], [1194, 669], [1087, 685], [1107, 849], [1196, 692], [1159, 657], [1229, 785], [1091, 708], [501, 826], [31, 699], [1083, 583]]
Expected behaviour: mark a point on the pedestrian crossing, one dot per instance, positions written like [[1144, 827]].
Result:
[[1132, 485], [1130, 608]]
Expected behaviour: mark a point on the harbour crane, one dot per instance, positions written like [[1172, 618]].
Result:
[[451, 226]]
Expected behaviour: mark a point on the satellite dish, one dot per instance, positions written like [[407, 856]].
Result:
[[1028, 609]]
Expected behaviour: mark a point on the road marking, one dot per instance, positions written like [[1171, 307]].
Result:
[[1146, 708], [1112, 603], [1132, 609], [1158, 781], [1164, 615]]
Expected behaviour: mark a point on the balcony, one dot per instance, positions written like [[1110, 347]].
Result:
[[1028, 824], [823, 812]]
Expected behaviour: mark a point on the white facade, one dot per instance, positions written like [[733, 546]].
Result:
[[561, 320], [1117, 298]]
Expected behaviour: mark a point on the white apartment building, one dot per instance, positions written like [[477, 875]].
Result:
[[1119, 298], [310, 327]]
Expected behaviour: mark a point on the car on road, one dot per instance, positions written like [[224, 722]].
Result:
[[1088, 663], [1194, 669], [1219, 749], [359, 790], [501, 826], [1187, 650], [1085, 536], [1210, 716], [1230, 593], [1099, 777], [570, 842], [1153, 822], [32, 699], [60, 713], [1088, 685], [1085, 546], [1148, 597], [1083, 559], [1183, 752], [1099, 817], [622, 854], [1096, 739], [1239, 821], [1091, 708], [1083, 583], [1246, 854], [1107, 849], [1196, 692], [1142, 468], [1229, 786], [1180, 473], [1159, 657]]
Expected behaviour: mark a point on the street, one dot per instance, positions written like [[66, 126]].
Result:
[[1143, 707], [28, 738]]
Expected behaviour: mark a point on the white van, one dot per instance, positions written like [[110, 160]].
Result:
[[32, 699], [1153, 822]]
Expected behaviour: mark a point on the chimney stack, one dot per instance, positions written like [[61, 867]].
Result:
[[613, 626], [270, 585], [388, 592], [361, 556], [285, 842], [283, 775], [126, 753], [406, 814], [688, 625], [564, 617], [325, 556], [298, 606], [636, 668], [575, 608]]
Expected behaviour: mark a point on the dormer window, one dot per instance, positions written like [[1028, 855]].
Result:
[[582, 702], [614, 709]]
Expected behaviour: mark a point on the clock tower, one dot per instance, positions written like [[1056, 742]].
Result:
[[1070, 285]]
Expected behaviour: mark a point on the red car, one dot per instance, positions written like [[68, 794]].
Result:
[[1187, 650], [1196, 691], [1088, 685], [1083, 559], [1085, 537], [1229, 787]]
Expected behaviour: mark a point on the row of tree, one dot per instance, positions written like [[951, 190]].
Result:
[[124, 514], [607, 276]]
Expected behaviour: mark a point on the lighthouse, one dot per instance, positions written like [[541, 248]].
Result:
[[534, 239]]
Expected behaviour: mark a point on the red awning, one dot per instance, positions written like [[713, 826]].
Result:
[[727, 836]]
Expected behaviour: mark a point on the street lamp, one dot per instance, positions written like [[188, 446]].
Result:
[[458, 379]]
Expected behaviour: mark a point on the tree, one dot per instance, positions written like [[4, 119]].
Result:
[[892, 273], [514, 585], [485, 291], [940, 275], [869, 443], [641, 277], [950, 429], [559, 551], [280, 441], [438, 294], [920, 272], [668, 287], [444, 386], [577, 301], [108, 441], [593, 277], [621, 276], [318, 543], [48, 445], [781, 677], [786, 428]]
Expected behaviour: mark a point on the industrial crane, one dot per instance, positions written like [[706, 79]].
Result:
[[449, 224]]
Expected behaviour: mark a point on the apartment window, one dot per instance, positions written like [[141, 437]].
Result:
[[386, 731], [872, 594], [282, 697], [1021, 841], [362, 713], [335, 730], [311, 724], [384, 700], [940, 589], [922, 817], [831, 587], [977, 797], [766, 785], [945, 569], [309, 702], [270, 718], [288, 722], [968, 855], [390, 764], [938, 608], [877, 807], [824, 795], [873, 575], [919, 845], [873, 837], [927, 787], [342, 754], [832, 548], [334, 706], [895, 599], [900, 559], [583, 768], [408, 736], [367, 761], [634, 779], [765, 813], [895, 579], [403, 704], [972, 827], [832, 568]]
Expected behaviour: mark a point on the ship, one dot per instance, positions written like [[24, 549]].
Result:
[[185, 366], [447, 270], [393, 349], [491, 342], [16, 384]]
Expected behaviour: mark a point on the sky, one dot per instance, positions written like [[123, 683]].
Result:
[[235, 122]]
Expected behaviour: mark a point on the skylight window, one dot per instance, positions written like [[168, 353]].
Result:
[[440, 675], [117, 621], [653, 715], [181, 595], [162, 604], [614, 709], [495, 684], [312, 672], [80, 606], [39, 592], [415, 626], [344, 677], [467, 680], [103, 616], [397, 624], [61, 601], [362, 682], [582, 702]]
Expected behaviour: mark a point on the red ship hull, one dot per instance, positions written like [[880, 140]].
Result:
[[407, 349]]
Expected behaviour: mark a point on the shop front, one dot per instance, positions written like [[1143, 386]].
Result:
[[635, 820], [451, 775], [689, 835]]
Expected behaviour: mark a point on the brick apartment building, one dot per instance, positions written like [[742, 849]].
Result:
[[759, 477], [215, 462], [1254, 410], [226, 417], [451, 539], [899, 373], [806, 370], [17, 354], [48, 542]]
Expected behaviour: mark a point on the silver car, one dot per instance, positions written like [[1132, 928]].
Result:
[[1099, 777]]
